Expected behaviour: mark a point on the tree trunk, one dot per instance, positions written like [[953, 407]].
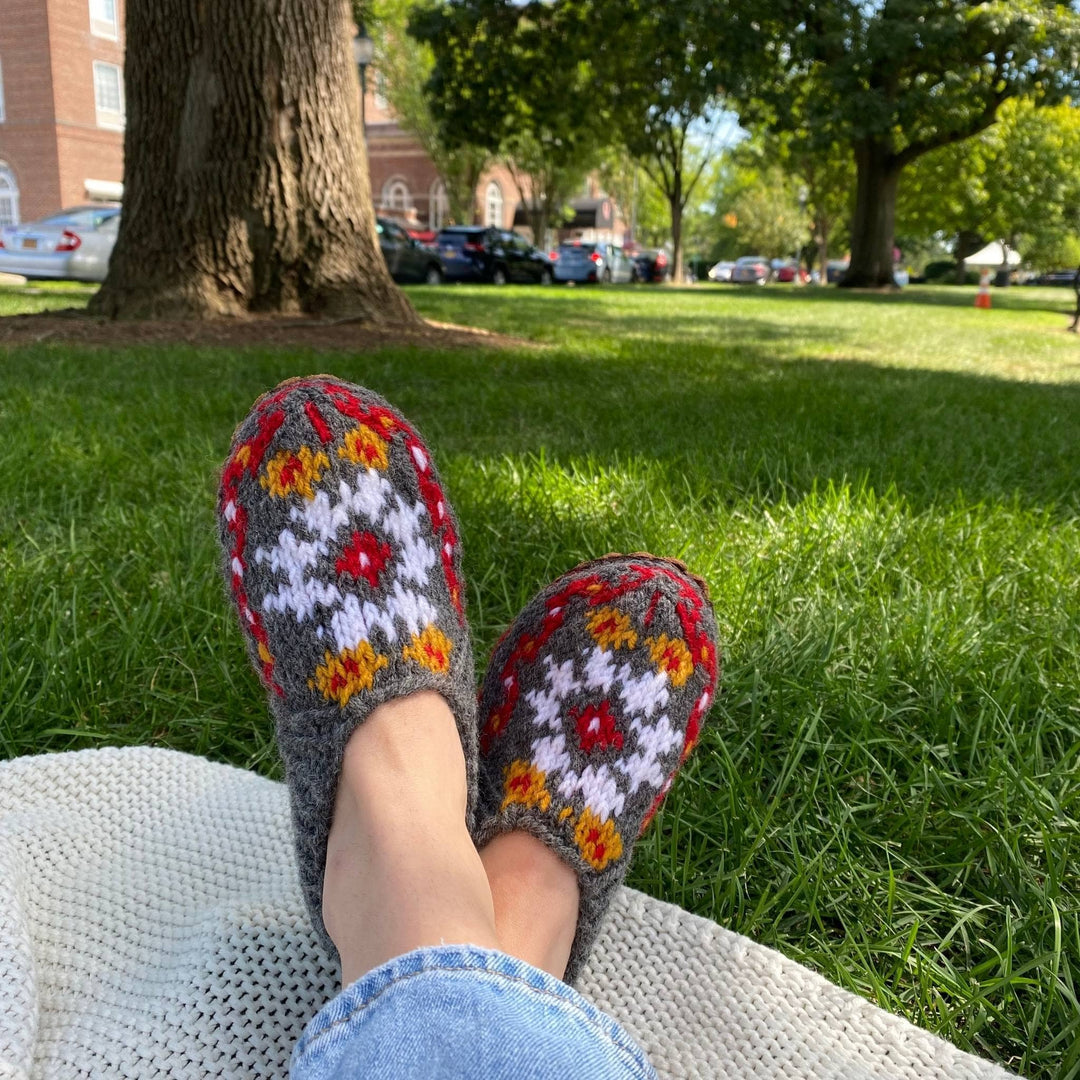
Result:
[[246, 185], [537, 213], [460, 178], [676, 202], [823, 247], [872, 240], [967, 243]]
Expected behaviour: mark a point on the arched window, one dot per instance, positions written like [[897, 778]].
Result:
[[438, 206], [9, 196], [493, 206], [395, 194]]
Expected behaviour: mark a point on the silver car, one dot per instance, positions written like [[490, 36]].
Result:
[[575, 261], [74, 244], [751, 270]]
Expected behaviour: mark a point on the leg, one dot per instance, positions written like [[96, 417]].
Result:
[[401, 870]]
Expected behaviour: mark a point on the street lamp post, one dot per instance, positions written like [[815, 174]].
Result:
[[363, 49]]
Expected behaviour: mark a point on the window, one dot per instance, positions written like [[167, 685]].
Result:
[[87, 217], [1, 93], [438, 206], [493, 204], [395, 195], [381, 101], [108, 96], [9, 197], [103, 19]]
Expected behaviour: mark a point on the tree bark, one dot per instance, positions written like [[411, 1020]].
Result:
[[246, 184], [822, 237], [872, 239], [967, 243], [675, 199]]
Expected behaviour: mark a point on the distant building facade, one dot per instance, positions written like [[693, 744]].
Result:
[[61, 105], [405, 186]]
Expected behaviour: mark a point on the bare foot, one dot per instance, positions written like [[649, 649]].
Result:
[[536, 900]]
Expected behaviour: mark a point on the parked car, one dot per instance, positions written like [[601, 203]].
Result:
[[577, 261], [407, 259], [751, 270], [790, 274], [476, 253], [835, 270], [721, 271], [1056, 277], [47, 248], [651, 265]]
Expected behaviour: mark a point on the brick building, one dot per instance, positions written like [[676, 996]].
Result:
[[61, 105], [406, 186]]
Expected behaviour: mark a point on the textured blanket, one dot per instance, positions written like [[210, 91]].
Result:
[[151, 925]]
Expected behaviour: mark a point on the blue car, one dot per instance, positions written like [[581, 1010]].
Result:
[[580, 262]]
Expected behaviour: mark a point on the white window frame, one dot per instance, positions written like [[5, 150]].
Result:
[[382, 102], [9, 190], [493, 205], [104, 28], [396, 194], [438, 206], [110, 119]]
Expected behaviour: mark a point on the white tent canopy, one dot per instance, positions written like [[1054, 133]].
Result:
[[992, 255]]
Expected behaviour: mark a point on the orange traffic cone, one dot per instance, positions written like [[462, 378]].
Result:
[[982, 298]]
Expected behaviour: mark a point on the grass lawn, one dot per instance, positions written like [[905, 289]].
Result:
[[882, 492]]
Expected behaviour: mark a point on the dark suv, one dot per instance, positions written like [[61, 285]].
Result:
[[406, 259], [476, 253]]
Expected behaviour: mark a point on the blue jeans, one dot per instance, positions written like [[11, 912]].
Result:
[[459, 1011]]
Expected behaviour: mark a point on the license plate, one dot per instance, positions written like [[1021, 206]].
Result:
[[29, 243], [449, 253]]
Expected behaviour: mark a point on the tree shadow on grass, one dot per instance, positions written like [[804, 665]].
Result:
[[747, 425], [1013, 298], [549, 315], [727, 424]]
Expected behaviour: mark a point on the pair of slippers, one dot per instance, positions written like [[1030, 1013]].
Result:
[[343, 559]]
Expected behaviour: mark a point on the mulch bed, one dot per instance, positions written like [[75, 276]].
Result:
[[274, 330]]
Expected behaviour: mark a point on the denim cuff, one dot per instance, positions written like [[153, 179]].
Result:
[[441, 984]]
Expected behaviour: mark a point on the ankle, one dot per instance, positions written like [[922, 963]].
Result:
[[407, 751], [536, 897]]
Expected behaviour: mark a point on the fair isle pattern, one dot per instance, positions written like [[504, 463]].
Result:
[[594, 699], [342, 557], [300, 554]]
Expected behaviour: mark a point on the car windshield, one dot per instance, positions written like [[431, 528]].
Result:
[[85, 218], [459, 239], [747, 260], [585, 249]]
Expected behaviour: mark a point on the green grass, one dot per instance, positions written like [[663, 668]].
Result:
[[881, 491]]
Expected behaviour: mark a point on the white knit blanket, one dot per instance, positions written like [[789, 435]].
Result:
[[151, 926]]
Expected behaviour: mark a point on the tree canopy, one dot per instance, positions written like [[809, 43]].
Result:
[[896, 79], [518, 81]]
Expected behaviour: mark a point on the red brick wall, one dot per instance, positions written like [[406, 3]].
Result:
[[86, 151], [394, 154], [27, 142], [50, 137]]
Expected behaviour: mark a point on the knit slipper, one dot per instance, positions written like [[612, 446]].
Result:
[[342, 557], [593, 699]]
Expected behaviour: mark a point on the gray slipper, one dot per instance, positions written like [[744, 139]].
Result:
[[593, 699], [342, 557]]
